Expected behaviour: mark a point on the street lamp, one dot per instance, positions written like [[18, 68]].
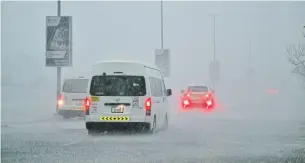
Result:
[[161, 19]]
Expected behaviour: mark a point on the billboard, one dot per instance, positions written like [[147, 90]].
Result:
[[58, 41], [162, 61]]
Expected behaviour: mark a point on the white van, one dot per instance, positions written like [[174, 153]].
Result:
[[71, 100], [126, 95]]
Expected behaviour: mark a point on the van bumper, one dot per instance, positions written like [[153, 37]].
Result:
[[71, 111], [99, 127], [123, 119]]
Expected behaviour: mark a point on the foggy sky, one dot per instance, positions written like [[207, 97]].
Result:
[[131, 30]]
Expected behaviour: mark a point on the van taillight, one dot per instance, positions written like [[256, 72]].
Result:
[[60, 100], [87, 104], [148, 106]]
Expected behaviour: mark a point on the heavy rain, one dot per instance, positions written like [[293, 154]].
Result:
[[258, 85]]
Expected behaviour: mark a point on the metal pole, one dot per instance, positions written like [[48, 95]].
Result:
[[214, 37], [58, 68], [249, 67], [304, 33], [250, 50], [214, 45], [162, 44]]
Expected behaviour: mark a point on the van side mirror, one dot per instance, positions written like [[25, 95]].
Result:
[[182, 91], [168, 92]]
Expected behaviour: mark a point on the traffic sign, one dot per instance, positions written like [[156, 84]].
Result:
[[58, 41], [214, 69], [162, 61]]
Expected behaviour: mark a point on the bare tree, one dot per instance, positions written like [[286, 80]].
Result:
[[296, 56]]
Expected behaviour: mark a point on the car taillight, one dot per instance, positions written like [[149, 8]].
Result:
[[148, 106], [209, 103], [87, 104], [60, 100], [186, 102]]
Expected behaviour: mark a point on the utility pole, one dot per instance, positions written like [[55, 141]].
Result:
[[215, 63], [59, 69], [162, 43], [214, 36], [250, 69], [214, 44], [250, 61]]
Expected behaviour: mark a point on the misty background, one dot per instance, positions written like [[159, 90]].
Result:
[[258, 117], [131, 30]]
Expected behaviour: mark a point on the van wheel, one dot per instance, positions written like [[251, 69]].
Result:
[[165, 126], [91, 130], [64, 114], [154, 126]]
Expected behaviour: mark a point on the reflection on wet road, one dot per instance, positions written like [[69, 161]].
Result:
[[192, 137]]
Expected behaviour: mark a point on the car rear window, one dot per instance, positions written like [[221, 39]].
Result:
[[198, 89], [75, 86], [121, 85]]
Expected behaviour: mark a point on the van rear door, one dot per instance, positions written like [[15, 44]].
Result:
[[118, 96], [74, 93]]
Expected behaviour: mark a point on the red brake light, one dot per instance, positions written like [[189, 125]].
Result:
[[87, 104], [148, 104], [60, 100], [209, 103], [186, 102]]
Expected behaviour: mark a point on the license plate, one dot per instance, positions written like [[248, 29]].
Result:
[[79, 102], [114, 118], [195, 98], [118, 109], [77, 109]]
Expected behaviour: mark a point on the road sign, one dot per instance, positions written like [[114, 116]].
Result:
[[58, 41], [214, 68], [162, 61]]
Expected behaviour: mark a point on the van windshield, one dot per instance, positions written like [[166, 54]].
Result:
[[120, 85], [75, 86]]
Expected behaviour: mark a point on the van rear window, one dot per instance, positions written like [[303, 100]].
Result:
[[198, 89], [75, 86], [118, 85]]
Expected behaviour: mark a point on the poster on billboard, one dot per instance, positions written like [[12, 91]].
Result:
[[58, 41], [162, 61]]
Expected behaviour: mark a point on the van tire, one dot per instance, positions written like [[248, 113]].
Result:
[[64, 114], [165, 126], [153, 130], [91, 130]]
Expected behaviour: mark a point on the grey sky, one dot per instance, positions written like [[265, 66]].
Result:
[[131, 30]]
